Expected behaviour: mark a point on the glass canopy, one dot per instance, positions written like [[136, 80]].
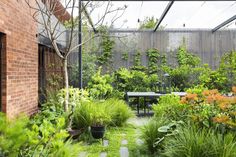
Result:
[[182, 14]]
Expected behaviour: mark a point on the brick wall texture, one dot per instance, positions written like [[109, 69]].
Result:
[[20, 58]]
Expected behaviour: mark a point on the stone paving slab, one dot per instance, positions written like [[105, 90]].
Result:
[[105, 143], [124, 142], [83, 154], [124, 152], [103, 154]]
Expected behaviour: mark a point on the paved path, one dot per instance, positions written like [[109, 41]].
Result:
[[124, 151]]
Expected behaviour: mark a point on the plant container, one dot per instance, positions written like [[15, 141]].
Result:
[[97, 131]]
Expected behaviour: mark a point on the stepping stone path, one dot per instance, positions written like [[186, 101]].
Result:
[[124, 151], [103, 154], [83, 154]]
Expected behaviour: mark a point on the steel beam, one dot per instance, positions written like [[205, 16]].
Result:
[[163, 15], [80, 46], [89, 18], [224, 23], [151, 0]]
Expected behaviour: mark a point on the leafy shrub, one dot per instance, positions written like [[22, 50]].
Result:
[[156, 132], [100, 85], [119, 111], [186, 58], [139, 81], [214, 80], [133, 80], [82, 115], [228, 69], [186, 76], [121, 79], [76, 95], [169, 107], [150, 134], [49, 139], [211, 109], [90, 113], [99, 115], [12, 135], [194, 142]]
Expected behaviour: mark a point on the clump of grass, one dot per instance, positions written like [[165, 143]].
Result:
[[192, 142]]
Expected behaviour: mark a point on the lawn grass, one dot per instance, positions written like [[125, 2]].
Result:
[[114, 135]]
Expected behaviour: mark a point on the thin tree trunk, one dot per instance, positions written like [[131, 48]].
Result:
[[66, 83]]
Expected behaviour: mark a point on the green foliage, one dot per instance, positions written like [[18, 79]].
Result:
[[185, 76], [12, 135], [148, 23], [138, 78], [107, 45], [90, 113], [222, 78], [121, 79], [89, 69], [155, 59], [151, 135], [119, 111], [125, 56], [133, 80], [169, 107], [137, 59], [197, 89], [194, 142], [186, 58], [82, 115], [99, 86], [76, 95], [112, 112], [99, 115], [48, 139], [156, 131]]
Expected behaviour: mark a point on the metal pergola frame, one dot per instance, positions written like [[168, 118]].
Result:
[[165, 12]]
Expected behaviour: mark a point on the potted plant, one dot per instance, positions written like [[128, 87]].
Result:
[[99, 121]]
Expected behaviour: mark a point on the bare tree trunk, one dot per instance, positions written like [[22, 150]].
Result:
[[66, 83]]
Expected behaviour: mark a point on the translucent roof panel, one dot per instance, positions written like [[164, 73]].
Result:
[[188, 14], [199, 14], [135, 11]]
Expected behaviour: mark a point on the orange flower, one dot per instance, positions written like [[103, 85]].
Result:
[[210, 92], [234, 89], [221, 119], [183, 100], [224, 106]]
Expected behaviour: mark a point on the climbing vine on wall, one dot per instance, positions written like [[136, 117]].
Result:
[[155, 60], [107, 45], [125, 56], [137, 64], [137, 59], [186, 58]]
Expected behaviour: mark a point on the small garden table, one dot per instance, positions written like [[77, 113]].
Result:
[[148, 95]]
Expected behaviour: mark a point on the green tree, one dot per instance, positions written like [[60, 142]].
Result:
[[148, 23]]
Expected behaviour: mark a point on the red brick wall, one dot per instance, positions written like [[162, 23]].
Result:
[[21, 52]]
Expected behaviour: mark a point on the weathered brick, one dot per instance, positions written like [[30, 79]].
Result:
[[20, 55]]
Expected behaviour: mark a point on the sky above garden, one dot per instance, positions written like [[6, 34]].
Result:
[[198, 14]]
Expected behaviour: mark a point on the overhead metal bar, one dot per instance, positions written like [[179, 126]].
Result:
[[80, 46], [89, 18], [224, 23], [163, 15], [149, 0]]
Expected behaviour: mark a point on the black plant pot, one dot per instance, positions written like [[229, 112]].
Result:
[[97, 131]]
